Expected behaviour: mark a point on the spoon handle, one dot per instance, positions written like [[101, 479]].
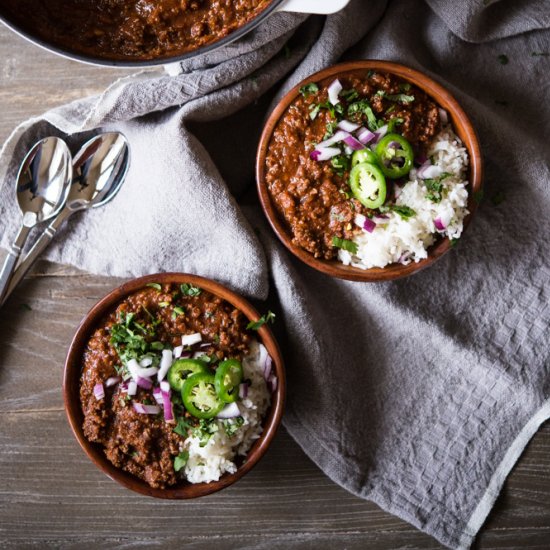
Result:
[[39, 246], [11, 260]]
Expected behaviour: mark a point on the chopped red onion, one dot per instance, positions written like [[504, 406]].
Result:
[[165, 364], [144, 383], [443, 116], [243, 390], [348, 126], [421, 159], [146, 409], [380, 133], [167, 404], [132, 387], [439, 225], [334, 91], [99, 391], [146, 362], [177, 352], [124, 387], [191, 339], [369, 225], [365, 136], [136, 370], [267, 367], [186, 355], [354, 143], [112, 381], [229, 411], [205, 345], [157, 394], [339, 136], [325, 153], [165, 387]]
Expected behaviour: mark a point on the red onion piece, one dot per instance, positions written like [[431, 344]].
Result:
[[348, 126], [205, 345], [165, 387], [167, 404], [421, 159], [354, 143], [334, 91], [369, 225], [177, 352], [157, 394], [146, 362], [191, 339], [132, 387], [365, 136], [380, 133], [439, 225], [428, 170], [112, 381], [146, 409], [443, 116], [165, 364], [144, 383], [339, 136], [229, 411], [99, 391], [267, 367], [243, 390], [325, 153]]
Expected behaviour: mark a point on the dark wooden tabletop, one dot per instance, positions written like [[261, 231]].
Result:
[[52, 496]]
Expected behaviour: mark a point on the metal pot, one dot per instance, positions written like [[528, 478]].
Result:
[[296, 6]]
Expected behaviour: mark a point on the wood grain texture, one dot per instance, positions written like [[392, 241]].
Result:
[[51, 495]]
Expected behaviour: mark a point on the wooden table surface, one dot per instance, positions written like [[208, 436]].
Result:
[[52, 496]]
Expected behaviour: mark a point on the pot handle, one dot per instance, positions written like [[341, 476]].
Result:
[[324, 7]]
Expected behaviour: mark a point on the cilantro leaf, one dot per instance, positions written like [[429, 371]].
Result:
[[231, 426], [344, 244], [363, 108], [349, 95], [400, 98], [309, 89], [340, 164], [156, 286], [181, 460], [269, 317], [190, 290], [435, 187], [183, 426], [404, 212]]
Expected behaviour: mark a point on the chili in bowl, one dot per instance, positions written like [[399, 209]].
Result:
[[174, 385], [368, 171]]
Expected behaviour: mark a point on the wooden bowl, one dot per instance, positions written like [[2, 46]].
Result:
[[461, 124], [71, 386]]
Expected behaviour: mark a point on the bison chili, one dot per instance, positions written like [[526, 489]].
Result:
[[153, 318], [314, 198], [132, 29]]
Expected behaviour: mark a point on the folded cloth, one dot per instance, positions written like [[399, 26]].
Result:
[[418, 394]]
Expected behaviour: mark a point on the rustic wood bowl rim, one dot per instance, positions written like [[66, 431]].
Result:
[[461, 124], [71, 386]]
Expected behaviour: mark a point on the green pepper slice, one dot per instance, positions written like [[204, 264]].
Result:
[[199, 396], [182, 369], [395, 156], [368, 184], [229, 375], [363, 155]]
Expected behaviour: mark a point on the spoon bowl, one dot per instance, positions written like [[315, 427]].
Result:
[[41, 189]]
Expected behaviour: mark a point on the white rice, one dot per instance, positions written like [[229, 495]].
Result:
[[210, 462], [397, 240]]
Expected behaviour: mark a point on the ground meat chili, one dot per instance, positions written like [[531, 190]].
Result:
[[132, 29], [314, 198], [146, 445]]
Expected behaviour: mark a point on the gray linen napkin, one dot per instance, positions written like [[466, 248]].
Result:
[[418, 394]]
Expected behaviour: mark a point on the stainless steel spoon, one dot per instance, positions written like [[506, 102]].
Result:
[[42, 187], [99, 169]]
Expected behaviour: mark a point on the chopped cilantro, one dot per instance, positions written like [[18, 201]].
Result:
[[503, 59], [363, 108], [190, 290], [349, 95], [498, 198], [344, 244], [127, 343], [164, 304], [435, 187], [331, 128], [183, 426], [309, 89], [205, 430], [177, 311], [269, 317], [405, 87], [395, 121], [400, 98], [157, 346], [181, 460], [404, 211], [340, 164], [232, 425], [156, 286], [314, 111], [390, 109]]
